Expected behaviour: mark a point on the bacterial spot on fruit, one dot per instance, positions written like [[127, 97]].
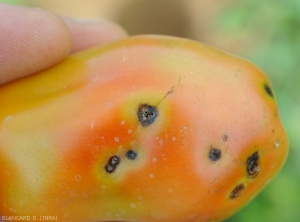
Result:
[[131, 155], [215, 154], [253, 167], [147, 114], [115, 160], [225, 137], [112, 164], [268, 90], [237, 191]]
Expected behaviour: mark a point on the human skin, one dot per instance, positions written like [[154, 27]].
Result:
[[33, 39]]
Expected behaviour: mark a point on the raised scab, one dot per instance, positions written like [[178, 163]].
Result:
[[225, 137], [268, 90], [215, 154], [147, 114], [237, 191], [113, 162], [131, 154], [253, 166]]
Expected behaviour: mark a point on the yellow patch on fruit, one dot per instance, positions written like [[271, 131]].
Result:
[[148, 128]]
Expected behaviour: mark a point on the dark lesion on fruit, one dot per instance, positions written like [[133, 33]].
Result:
[[268, 90], [112, 164], [214, 154], [237, 191], [253, 166], [131, 154], [225, 137], [147, 114]]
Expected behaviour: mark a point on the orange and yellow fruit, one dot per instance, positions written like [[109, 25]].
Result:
[[149, 128]]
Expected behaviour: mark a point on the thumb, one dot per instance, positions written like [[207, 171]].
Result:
[[31, 40]]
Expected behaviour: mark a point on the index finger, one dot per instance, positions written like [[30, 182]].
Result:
[[31, 40]]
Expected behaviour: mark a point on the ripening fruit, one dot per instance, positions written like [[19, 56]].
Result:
[[149, 128]]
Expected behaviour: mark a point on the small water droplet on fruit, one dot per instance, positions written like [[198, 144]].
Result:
[[132, 205], [116, 139], [174, 138], [154, 160], [77, 177], [6, 119], [161, 142], [92, 124], [151, 175]]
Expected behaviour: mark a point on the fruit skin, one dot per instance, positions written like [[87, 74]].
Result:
[[217, 119]]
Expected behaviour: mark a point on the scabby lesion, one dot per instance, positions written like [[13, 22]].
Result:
[[112, 164], [268, 90], [253, 166], [147, 114], [237, 191]]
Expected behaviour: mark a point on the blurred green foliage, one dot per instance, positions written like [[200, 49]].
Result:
[[14, 2], [269, 35]]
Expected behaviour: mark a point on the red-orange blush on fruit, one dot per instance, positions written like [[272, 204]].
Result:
[[149, 128]]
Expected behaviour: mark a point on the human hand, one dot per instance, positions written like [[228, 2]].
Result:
[[32, 39]]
